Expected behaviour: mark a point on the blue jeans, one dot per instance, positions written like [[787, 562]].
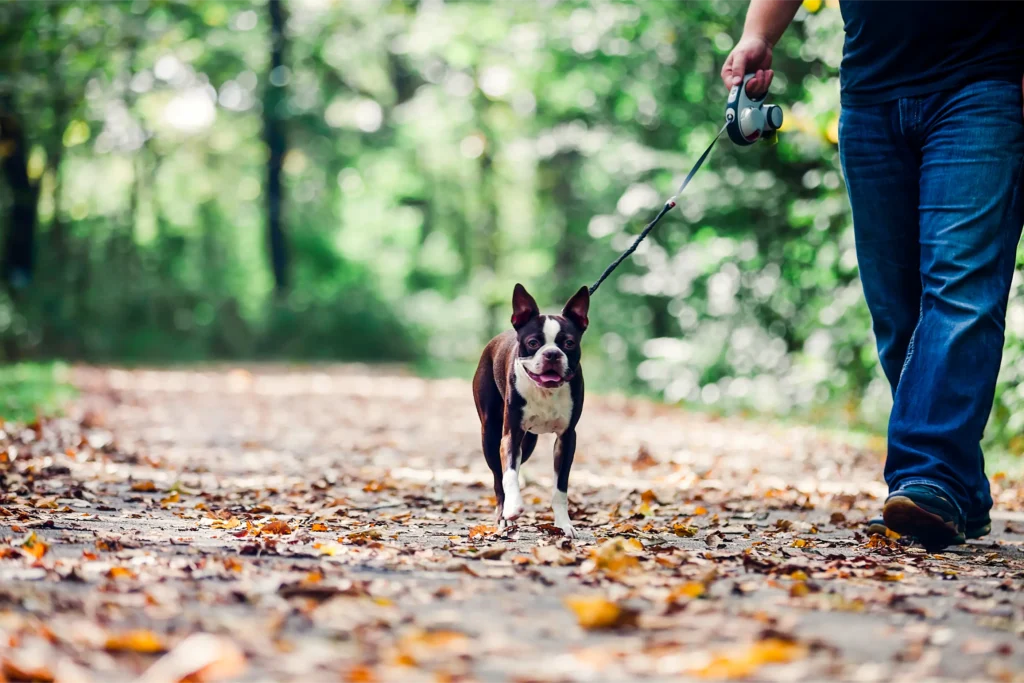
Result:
[[935, 186]]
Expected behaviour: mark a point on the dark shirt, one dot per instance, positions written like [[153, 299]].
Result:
[[897, 49]]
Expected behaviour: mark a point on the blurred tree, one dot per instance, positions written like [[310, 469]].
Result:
[[274, 131]]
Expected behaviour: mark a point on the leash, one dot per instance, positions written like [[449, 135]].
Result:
[[669, 205], [748, 120]]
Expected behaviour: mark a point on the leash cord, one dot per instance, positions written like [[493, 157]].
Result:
[[669, 205]]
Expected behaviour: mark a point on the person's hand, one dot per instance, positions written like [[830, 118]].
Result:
[[753, 54]]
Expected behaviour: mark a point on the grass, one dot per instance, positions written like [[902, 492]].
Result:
[[29, 390]]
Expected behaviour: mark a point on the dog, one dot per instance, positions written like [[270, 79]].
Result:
[[529, 382]]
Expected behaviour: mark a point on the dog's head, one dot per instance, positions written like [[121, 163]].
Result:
[[549, 345]]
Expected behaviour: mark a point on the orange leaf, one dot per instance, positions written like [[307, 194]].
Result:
[[233, 565], [689, 590], [482, 530], [743, 662], [595, 613], [320, 526], [121, 573], [144, 486], [616, 556], [142, 641], [276, 526], [34, 547], [360, 673]]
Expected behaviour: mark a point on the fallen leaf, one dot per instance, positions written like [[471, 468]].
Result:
[[229, 523], [320, 526], [596, 613], [34, 547], [200, 658], [144, 486], [276, 527], [360, 673], [688, 591], [145, 642], [644, 460], [121, 573], [16, 670], [482, 530], [742, 662], [616, 556]]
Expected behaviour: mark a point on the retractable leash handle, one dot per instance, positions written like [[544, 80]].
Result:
[[748, 119]]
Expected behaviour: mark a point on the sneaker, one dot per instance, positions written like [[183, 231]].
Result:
[[977, 526], [925, 514]]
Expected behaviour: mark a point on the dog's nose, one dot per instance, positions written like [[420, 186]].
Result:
[[552, 354]]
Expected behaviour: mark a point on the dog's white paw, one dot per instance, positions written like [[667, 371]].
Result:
[[568, 530], [513, 507], [560, 511]]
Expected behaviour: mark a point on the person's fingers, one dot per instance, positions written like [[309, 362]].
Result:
[[727, 70], [755, 86], [739, 67]]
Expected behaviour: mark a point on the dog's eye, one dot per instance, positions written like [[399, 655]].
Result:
[[533, 344], [570, 344]]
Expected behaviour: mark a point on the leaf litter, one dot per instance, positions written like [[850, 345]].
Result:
[[337, 523]]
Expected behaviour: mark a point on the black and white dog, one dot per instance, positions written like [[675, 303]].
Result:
[[529, 382]]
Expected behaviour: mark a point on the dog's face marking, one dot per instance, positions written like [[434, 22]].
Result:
[[549, 345]]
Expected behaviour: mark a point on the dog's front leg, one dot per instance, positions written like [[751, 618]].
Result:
[[565, 449], [511, 458]]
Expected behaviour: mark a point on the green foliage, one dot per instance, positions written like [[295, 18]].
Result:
[[28, 390], [439, 153]]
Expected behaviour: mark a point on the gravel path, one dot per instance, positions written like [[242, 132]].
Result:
[[335, 523]]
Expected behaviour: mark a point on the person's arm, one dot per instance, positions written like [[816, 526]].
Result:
[[765, 24]]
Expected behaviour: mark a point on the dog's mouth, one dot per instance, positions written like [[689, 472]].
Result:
[[549, 379]]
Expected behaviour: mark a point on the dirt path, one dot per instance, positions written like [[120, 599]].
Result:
[[334, 524]]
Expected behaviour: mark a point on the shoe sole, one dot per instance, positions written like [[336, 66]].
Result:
[[907, 518]]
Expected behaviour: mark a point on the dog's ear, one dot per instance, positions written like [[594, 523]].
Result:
[[524, 308], [576, 308]]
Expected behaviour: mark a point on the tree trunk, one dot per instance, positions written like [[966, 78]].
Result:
[[276, 141], [19, 247]]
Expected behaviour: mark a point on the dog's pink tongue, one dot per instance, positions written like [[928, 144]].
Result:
[[550, 377]]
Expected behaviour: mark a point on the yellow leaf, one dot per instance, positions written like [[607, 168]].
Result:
[[832, 130], [799, 589], [144, 486], [142, 641], [889, 533], [690, 590], [173, 498], [799, 543], [594, 613], [812, 6], [616, 556], [684, 530], [799, 575], [228, 524], [743, 662]]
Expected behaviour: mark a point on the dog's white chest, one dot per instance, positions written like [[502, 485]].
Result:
[[546, 411]]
